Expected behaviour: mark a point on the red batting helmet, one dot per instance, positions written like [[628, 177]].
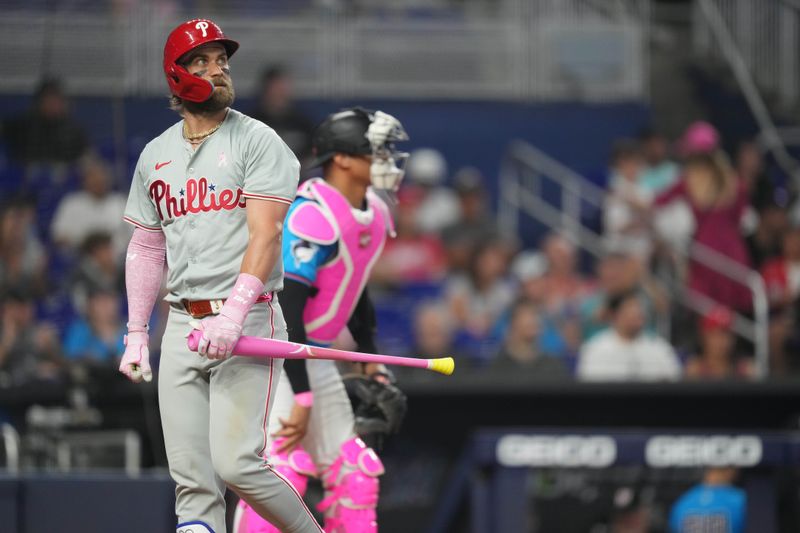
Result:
[[186, 38]]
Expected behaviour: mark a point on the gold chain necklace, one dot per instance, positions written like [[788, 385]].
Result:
[[199, 136]]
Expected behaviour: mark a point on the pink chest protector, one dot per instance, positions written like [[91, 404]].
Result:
[[330, 219]]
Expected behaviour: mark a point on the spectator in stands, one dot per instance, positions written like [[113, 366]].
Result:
[[555, 337], [46, 133], [782, 274], [94, 208], [475, 225], [659, 172], [625, 351], [478, 297], [782, 280], [626, 220], [718, 200], [23, 258], [97, 337], [411, 257], [749, 166], [434, 330], [565, 287], [276, 109], [717, 358], [765, 242], [28, 351], [713, 505], [620, 273], [520, 354], [439, 207], [97, 270]]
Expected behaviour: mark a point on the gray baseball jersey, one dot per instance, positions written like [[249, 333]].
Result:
[[197, 198]]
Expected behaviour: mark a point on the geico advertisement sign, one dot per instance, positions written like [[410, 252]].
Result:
[[599, 451], [667, 450], [556, 450]]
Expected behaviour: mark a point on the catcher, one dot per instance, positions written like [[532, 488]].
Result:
[[334, 232]]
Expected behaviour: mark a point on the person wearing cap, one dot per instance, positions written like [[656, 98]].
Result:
[[208, 200], [718, 199], [335, 231], [716, 358]]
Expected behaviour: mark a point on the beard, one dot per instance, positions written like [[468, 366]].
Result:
[[221, 98]]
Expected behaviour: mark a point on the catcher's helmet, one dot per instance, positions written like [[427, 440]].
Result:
[[344, 132], [186, 38]]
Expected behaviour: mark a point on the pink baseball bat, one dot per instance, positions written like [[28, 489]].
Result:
[[261, 347]]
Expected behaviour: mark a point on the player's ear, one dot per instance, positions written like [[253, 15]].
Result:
[[342, 160]]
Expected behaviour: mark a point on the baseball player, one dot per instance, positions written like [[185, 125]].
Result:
[[334, 233], [209, 197]]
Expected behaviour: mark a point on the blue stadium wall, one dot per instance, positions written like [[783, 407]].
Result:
[[468, 132]]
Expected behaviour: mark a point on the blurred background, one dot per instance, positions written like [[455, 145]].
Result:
[[599, 221]]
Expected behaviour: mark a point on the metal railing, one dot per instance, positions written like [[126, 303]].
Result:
[[11, 447], [511, 50], [759, 42], [524, 172], [764, 34]]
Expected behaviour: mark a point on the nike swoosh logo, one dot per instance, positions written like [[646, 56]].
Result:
[[159, 165]]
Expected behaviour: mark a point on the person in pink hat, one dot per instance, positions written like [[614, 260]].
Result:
[[717, 199]]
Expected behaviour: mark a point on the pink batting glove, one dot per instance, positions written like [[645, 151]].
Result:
[[135, 362], [221, 332]]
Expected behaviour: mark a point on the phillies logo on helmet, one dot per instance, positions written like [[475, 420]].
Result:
[[202, 26], [182, 40]]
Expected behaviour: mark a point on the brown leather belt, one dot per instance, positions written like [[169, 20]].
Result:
[[204, 308]]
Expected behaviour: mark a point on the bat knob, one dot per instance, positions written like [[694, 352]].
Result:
[[193, 339]]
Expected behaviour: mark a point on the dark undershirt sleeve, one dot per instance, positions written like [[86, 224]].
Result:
[[293, 302], [362, 324]]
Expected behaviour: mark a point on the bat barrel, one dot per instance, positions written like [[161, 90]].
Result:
[[442, 365]]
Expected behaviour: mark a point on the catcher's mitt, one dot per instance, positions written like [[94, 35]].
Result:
[[379, 408]]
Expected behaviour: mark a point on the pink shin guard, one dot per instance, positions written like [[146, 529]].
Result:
[[351, 490], [295, 465]]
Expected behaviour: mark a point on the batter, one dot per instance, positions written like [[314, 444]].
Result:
[[208, 198]]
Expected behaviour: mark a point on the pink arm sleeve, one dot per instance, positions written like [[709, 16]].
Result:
[[144, 269]]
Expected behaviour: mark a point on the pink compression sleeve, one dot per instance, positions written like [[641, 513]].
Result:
[[144, 269]]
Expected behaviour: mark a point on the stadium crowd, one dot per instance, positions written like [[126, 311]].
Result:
[[451, 282]]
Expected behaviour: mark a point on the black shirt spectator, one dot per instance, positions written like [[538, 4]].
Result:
[[276, 109], [46, 133]]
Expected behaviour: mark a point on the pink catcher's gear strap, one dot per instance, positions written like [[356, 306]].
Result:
[[144, 270], [296, 466], [351, 489]]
